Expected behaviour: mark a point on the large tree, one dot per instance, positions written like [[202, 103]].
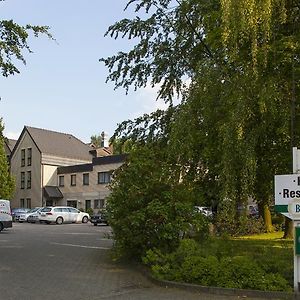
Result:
[[241, 91], [7, 182]]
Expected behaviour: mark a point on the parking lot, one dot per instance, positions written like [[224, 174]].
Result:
[[71, 261]]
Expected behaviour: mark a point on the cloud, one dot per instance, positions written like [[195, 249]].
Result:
[[146, 98], [12, 135]]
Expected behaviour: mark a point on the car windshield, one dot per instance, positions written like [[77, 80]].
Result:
[[46, 209], [33, 210]]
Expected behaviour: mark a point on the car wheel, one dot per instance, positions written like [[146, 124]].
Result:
[[95, 224], [59, 220], [85, 219], [1, 227]]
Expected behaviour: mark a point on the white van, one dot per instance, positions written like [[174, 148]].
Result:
[[5, 214]]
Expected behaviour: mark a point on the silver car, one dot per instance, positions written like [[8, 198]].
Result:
[[23, 217], [35, 216]]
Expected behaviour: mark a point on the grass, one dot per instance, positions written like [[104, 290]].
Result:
[[269, 250], [273, 236]]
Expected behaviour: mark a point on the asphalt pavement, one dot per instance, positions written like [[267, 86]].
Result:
[[72, 262]]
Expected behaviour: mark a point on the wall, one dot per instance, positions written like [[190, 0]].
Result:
[[35, 193], [93, 191]]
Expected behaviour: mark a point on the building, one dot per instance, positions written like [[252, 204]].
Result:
[[9, 145], [86, 186], [45, 164]]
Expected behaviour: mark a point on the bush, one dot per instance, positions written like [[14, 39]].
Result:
[[229, 221], [149, 210], [90, 211], [189, 263]]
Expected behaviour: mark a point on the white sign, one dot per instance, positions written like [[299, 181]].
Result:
[[294, 209], [287, 188]]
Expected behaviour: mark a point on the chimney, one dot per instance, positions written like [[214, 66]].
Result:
[[104, 139]]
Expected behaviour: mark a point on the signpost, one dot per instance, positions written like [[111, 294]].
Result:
[[287, 202]]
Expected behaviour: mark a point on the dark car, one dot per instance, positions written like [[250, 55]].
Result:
[[100, 218], [16, 212]]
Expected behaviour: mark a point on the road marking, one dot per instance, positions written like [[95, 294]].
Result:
[[79, 233], [18, 247], [81, 246]]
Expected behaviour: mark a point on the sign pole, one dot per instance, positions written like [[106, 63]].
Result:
[[296, 226]]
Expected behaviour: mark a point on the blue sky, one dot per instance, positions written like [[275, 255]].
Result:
[[62, 87]]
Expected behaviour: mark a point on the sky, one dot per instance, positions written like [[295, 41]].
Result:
[[62, 86]]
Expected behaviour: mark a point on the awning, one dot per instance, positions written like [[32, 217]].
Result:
[[53, 192]]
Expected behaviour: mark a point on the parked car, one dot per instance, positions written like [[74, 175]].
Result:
[[206, 211], [35, 216], [16, 212], [5, 214], [99, 218], [24, 216], [63, 214]]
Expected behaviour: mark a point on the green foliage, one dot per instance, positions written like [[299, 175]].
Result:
[[90, 211], [96, 140], [170, 42], [147, 208], [13, 40], [231, 133], [7, 182], [229, 221], [202, 264]]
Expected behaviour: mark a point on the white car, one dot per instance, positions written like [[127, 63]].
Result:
[[206, 211], [23, 217], [5, 214], [63, 214]]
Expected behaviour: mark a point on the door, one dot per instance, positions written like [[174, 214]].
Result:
[[74, 214]]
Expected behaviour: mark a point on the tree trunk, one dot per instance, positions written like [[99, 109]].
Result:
[[268, 219], [288, 229]]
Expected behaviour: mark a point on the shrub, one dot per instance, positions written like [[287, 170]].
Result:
[[90, 211], [239, 226], [147, 209], [189, 263]]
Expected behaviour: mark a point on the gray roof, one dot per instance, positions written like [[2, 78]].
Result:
[[59, 144], [10, 143]]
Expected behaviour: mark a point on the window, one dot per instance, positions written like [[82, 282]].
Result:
[[28, 202], [29, 179], [73, 210], [65, 210], [57, 209], [22, 203], [88, 204], [73, 180], [72, 203], [61, 180], [104, 177], [29, 154], [86, 179], [23, 158], [99, 203], [22, 180]]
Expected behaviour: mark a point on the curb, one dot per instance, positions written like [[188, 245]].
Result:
[[218, 290]]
